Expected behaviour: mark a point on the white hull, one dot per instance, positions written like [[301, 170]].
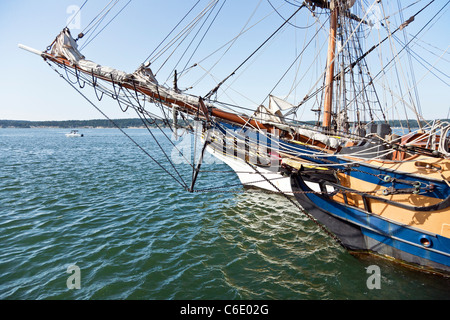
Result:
[[249, 177], [74, 134], [268, 178]]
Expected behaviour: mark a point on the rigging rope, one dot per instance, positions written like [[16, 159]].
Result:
[[94, 22], [88, 41], [291, 24], [201, 40], [205, 34], [303, 211], [148, 58], [213, 91], [230, 43], [76, 14], [398, 53], [292, 64], [181, 183], [183, 34]]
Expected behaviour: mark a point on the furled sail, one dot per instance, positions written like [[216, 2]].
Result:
[[65, 47]]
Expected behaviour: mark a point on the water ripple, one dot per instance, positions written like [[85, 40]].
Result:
[[100, 204]]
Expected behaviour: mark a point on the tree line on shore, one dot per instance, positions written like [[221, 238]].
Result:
[[99, 123], [131, 123]]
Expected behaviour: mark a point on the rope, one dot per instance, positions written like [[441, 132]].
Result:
[[291, 24], [112, 19], [201, 40], [119, 95], [443, 142], [93, 20], [406, 45], [216, 190], [252, 54], [183, 34], [230, 43], [309, 216], [79, 10], [183, 185], [159, 145], [148, 58]]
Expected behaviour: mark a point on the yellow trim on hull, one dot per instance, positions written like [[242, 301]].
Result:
[[438, 168], [432, 221]]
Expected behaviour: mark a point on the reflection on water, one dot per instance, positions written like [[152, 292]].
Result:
[[100, 204]]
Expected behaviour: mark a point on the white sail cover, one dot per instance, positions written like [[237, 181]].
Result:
[[272, 114], [317, 136], [277, 104], [66, 47]]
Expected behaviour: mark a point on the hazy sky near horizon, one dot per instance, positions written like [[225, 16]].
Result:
[[30, 90]]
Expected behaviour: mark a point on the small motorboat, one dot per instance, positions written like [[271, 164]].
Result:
[[74, 133]]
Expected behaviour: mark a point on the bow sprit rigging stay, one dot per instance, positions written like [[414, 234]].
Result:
[[331, 166]]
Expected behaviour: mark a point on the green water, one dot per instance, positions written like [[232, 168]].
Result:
[[100, 203]]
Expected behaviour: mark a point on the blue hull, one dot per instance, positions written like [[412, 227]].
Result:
[[361, 230]]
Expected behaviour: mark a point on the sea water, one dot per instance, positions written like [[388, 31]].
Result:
[[97, 218]]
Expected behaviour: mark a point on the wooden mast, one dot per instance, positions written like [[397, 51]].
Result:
[[330, 67]]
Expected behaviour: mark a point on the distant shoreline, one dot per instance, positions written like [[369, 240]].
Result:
[[130, 124], [82, 124]]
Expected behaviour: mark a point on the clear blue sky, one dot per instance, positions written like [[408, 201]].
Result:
[[30, 90]]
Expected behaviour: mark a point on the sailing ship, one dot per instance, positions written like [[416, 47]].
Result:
[[371, 189]]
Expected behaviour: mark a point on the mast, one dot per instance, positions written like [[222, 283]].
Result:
[[330, 66]]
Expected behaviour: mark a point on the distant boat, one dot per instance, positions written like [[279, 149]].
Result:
[[74, 133]]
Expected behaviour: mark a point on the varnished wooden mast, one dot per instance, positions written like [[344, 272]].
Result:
[[330, 68]]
